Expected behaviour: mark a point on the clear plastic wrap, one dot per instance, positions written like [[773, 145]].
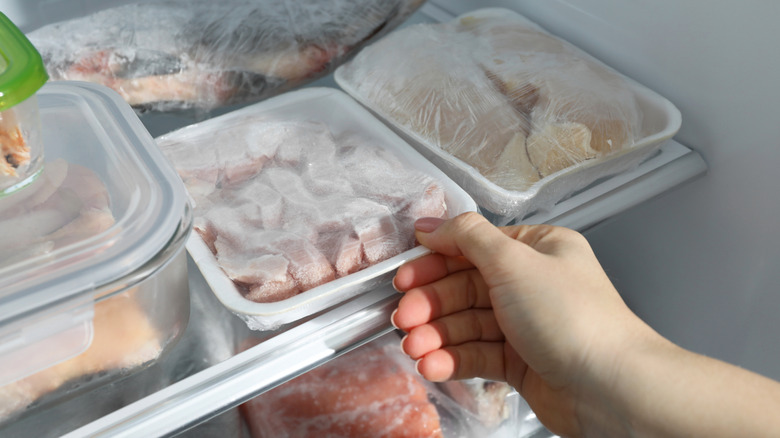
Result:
[[374, 391], [503, 107], [178, 54], [286, 205], [303, 201]]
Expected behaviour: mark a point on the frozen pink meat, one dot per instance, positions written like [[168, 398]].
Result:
[[287, 205]]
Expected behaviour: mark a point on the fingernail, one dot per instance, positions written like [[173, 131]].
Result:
[[394, 286], [428, 224], [417, 367], [392, 316], [402, 342]]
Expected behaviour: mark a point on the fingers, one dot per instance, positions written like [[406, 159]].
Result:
[[473, 359], [427, 269], [452, 330], [469, 235], [454, 293]]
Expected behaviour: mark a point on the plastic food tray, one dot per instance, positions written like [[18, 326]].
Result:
[[661, 121], [339, 112]]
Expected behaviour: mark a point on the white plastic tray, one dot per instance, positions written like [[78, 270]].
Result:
[[340, 113], [661, 121]]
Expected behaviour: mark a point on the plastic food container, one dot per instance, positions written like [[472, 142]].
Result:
[[491, 96], [22, 73], [93, 274], [340, 114]]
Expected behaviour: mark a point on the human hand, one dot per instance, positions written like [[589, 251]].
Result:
[[529, 305]]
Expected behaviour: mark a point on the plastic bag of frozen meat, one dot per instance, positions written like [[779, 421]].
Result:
[[302, 201], [372, 391], [167, 55], [515, 115]]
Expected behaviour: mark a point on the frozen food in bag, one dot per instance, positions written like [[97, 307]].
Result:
[[179, 54], [369, 392], [501, 105]]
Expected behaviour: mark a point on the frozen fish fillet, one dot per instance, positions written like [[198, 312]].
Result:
[[498, 93], [319, 207], [365, 393], [178, 54]]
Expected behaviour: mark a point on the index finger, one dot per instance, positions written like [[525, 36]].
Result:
[[428, 269]]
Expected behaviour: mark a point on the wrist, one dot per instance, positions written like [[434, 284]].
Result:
[[616, 388]]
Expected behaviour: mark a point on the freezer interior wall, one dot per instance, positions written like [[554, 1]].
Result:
[[698, 263]]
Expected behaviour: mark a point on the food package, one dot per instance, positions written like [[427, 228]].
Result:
[[300, 196], [375, 391], [515, 115], [124, 339], [67, 204], [92, 257], [167, 55], [372, 391], [485, 399]]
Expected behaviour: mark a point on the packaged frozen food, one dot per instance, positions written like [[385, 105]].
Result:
[[286, 205], [22, 73], [124, 338], [369, 392], [485, 399], [178, 54], [302, 201], [94, 277], [515, 115]]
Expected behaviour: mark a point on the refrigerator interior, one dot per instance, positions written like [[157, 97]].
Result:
[[195, 389]]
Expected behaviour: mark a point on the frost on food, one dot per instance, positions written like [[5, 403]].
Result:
[[179, 54], [368, 392], [287, 205], [498, 93]]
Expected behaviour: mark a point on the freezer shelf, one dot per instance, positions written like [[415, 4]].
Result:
[[292, 351]]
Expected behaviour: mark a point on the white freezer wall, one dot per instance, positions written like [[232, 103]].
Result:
[[701, 263]]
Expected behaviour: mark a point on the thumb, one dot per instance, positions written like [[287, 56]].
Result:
[[469, 235]]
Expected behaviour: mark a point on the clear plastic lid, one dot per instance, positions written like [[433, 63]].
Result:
[[107, 203]]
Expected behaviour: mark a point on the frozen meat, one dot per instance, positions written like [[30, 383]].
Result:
[[14, 149], [66, 204], [495, 91], [124, 338], [287, 205], [486, 399], [368, 392], [179, 54]]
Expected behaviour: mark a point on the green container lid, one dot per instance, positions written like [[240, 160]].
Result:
[[22, 71]]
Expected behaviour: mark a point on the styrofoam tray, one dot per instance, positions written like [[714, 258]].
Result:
[[661, 121], [340, 113]]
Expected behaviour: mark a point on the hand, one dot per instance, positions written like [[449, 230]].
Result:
[[529, 305]]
